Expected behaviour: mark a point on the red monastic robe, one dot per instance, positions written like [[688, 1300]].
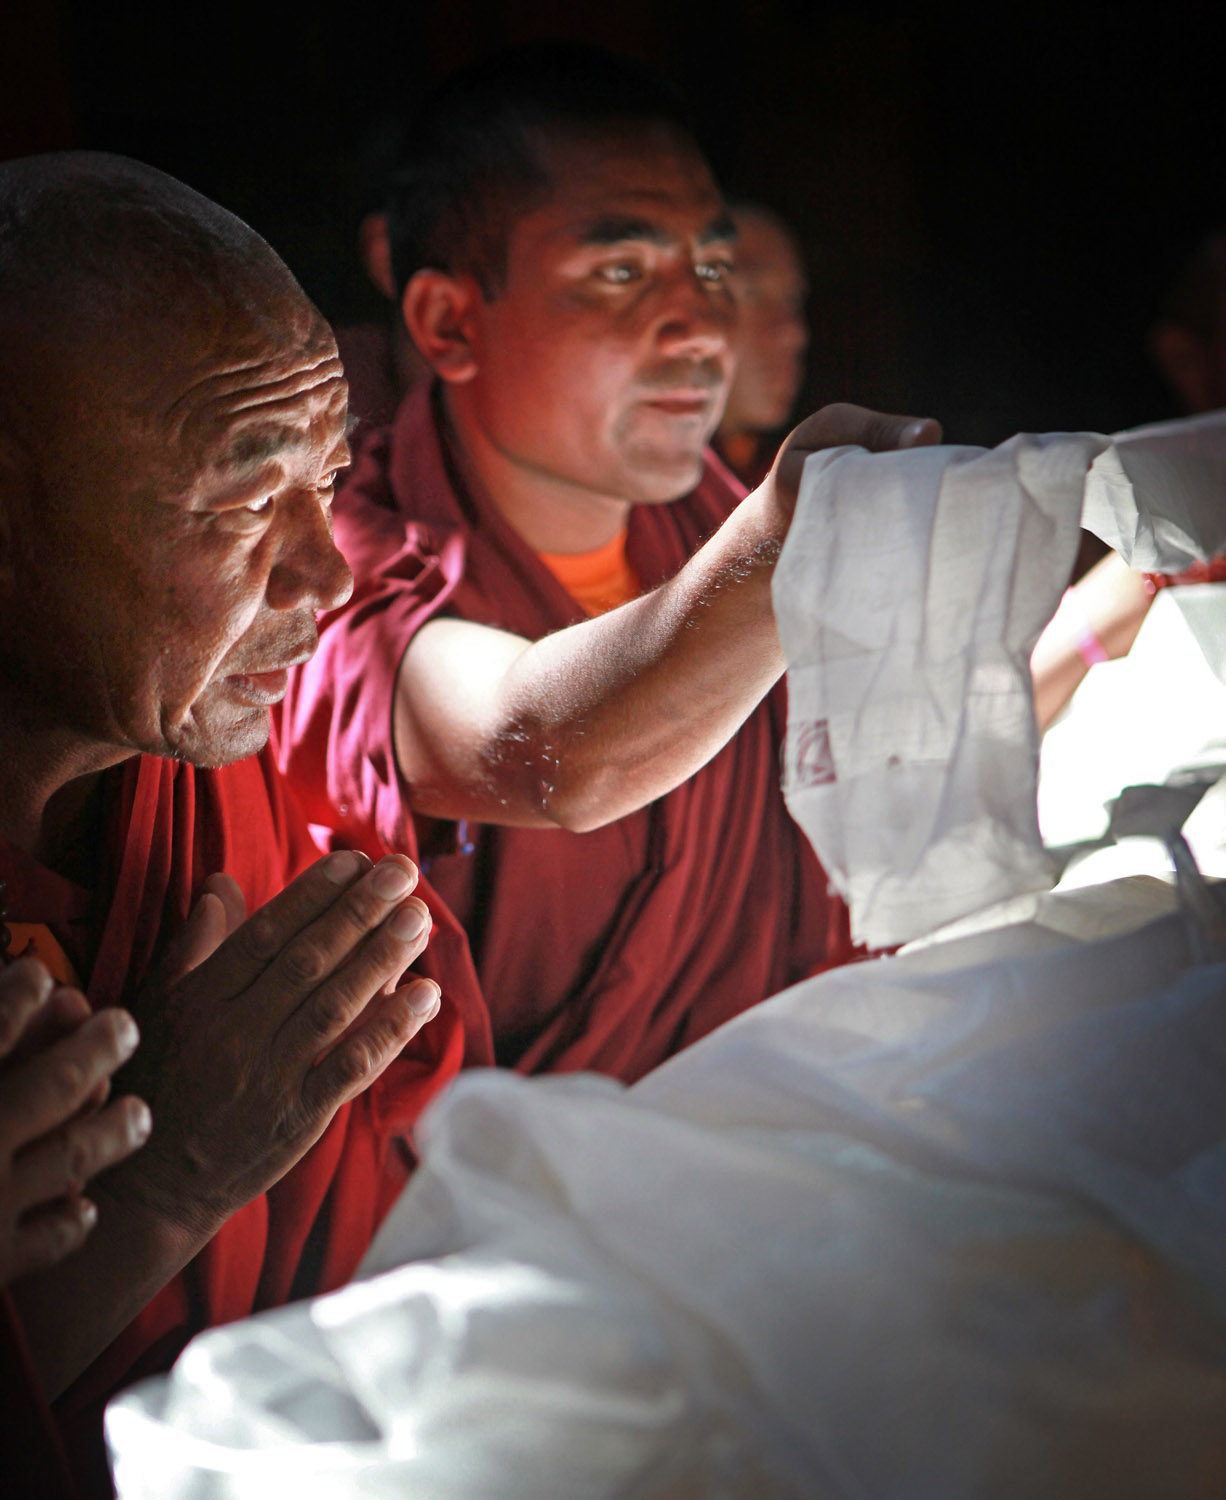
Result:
[[168, 826], [607, 950]]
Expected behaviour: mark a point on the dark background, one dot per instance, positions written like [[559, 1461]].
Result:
[[987, 201]]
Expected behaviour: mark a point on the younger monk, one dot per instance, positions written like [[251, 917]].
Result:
[[172, 418], [564, 255]]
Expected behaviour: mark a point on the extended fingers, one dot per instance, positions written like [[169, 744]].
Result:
[[49, 1235], [365, 968], [24, 988], [844, 425], [60, 1016], [230, 894], [61, 1163], [264, 936], [46, 1090], [884, 433], [329, 940], [218, 913], [387, 1027]]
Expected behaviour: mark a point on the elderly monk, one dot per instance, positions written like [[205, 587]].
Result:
[[564, 255], [172, 419]]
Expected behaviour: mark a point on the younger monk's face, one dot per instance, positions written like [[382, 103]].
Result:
[[183, 536], [604, 361]]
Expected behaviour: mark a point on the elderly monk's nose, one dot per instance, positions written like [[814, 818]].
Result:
[[309, 572]]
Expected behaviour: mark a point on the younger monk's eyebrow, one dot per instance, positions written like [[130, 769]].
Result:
[[722, 227], [617, 229]]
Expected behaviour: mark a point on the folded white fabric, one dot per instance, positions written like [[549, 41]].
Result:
[[909, 596], [1157, 494], [916, 1227]]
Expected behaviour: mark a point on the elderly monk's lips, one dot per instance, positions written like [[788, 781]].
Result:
[[268, 678], [267, 687], [260, 688]]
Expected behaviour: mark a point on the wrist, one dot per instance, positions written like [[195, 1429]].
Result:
[[1082, 635], [155, 1205]]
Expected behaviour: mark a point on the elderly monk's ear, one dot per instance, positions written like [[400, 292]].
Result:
[[440, 312], [376, 252]]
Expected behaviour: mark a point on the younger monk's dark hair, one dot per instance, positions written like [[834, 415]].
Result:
[[471, 162]]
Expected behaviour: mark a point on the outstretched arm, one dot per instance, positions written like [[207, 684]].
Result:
[[1098, 619], [595, 721]]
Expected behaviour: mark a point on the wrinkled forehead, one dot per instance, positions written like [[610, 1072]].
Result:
[[251, 383], [162, 405]]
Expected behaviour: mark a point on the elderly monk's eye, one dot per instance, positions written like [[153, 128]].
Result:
[[259, 507]]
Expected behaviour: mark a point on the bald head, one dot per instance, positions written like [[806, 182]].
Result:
[[172, 413], [109, 238], [97, 249]]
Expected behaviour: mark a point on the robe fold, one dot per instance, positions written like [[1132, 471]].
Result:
[[607, 950], [168, 826], [33, 1465]]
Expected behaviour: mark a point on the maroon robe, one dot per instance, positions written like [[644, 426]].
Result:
[[168, 826], [608, 950], [33, 1465]]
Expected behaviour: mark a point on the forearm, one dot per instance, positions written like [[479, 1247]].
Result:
[[1100, 614], [599, 719], [73, 1311]]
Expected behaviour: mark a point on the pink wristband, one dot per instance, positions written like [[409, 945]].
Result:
[[1089, 647]]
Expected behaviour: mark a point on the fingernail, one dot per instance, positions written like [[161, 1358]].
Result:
[[342, 867], [913, 431], [426, 998], [199, 906], [127, 1035], [391, 881], [140, 1125], [408, 924], [87, 1212]]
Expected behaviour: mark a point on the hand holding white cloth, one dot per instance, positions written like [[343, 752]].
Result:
[[909, 596]]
